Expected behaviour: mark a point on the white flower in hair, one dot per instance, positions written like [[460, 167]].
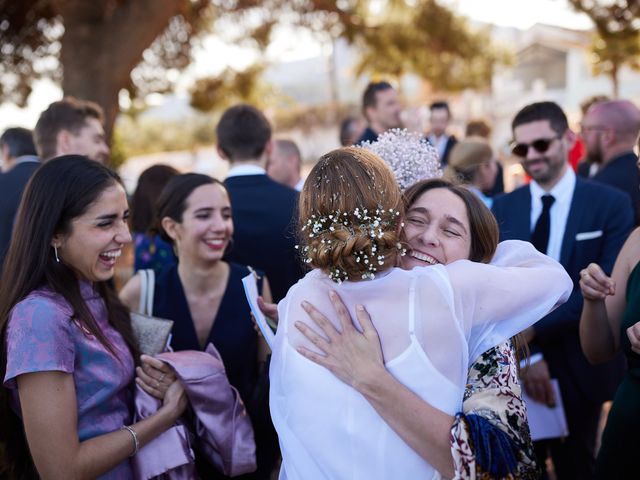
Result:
[[410, 157]]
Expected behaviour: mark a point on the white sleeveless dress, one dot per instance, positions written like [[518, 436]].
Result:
[[431, 321]]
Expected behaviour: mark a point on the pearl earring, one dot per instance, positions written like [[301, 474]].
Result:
[[55, 251]]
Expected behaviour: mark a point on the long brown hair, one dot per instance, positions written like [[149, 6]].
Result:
[[485, 232], [59, 191]]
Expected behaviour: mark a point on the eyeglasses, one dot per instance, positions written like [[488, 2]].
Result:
[[541, 145]]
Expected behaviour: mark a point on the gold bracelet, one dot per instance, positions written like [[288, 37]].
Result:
[[135, 438]]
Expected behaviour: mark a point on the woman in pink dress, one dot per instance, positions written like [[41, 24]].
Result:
[[67, 348]]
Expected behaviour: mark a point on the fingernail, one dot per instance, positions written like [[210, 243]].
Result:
[[298, 324], [360, 308], [333, 295], [305, 305]]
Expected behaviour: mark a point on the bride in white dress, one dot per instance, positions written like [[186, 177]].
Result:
[[430, 321]]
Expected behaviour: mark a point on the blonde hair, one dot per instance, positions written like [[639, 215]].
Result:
[[349, 215], [466, 157]]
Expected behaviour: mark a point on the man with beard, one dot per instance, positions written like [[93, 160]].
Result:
[[381, 108], [575, 222], [609, 132]]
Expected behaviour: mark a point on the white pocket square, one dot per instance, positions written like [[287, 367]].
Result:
[[588, 235]]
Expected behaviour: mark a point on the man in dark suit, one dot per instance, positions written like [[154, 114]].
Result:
[[381, 108], [438, 136], [264, 219], [575, 222], [609, 133], [264, 211], [20, 161]]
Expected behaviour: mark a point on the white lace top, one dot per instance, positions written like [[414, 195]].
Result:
[[432, 321]]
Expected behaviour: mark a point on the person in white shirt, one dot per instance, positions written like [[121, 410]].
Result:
[[431, 321]]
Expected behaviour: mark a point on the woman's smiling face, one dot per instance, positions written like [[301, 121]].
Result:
[[95, 240], [436, 227]]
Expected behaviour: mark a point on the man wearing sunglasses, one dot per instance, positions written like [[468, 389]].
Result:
[[575, 222], [609, 132]]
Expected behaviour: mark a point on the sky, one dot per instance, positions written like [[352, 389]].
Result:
[[288, 46]]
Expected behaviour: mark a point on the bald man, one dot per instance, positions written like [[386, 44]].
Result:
[[609, 132], [284, 164]]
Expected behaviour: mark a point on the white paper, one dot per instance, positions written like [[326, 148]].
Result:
[[545, 422], [251, 291]]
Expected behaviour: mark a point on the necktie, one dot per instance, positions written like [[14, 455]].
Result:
[[540, 235]]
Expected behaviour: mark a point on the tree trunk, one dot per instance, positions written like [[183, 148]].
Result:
[[615, 81], [103, 42], [334, 97]]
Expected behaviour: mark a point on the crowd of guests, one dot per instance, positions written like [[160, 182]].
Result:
[[407, 321]]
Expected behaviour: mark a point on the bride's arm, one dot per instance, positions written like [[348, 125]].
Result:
[[356, 359], [492, 410]]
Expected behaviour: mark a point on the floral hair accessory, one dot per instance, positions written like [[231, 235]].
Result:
[[359, 222], [410, 157]]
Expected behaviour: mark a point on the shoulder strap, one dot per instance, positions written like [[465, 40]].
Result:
[[147, 290], [412, 307]]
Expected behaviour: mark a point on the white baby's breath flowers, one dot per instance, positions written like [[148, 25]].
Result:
[[374, 224], [410, 157]]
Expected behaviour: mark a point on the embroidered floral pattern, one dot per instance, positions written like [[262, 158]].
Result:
[[495, 416]]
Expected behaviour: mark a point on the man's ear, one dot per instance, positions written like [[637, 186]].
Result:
[[569, 138], [221, 153], [4, 153], [63, 142], [268, 148]]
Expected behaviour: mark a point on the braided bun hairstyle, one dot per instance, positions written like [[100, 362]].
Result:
[[349, 215]]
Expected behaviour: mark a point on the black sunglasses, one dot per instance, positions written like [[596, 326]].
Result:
[[541, 145]]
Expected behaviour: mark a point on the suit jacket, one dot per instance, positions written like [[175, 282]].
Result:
[[264, 219], [451, 141], [600, 219], [621, 172], [12, 185], [367, 136]]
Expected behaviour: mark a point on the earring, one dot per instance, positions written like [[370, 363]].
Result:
[[55, 251]]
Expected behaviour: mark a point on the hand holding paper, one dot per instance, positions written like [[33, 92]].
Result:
[[251, 292]]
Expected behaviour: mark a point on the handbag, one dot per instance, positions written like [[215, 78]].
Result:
[[152, 333]]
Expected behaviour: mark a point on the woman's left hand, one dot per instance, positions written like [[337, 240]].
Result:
[[352, 356], [154, 376]]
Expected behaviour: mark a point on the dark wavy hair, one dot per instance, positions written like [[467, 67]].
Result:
[[60, 191]]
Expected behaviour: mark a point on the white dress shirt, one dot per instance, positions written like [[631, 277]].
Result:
[[559, 212], [244, 170]]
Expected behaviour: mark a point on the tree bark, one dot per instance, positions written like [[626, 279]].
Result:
[[103, 41], [615, 81]]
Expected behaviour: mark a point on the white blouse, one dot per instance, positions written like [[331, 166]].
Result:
[[432, 322]]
